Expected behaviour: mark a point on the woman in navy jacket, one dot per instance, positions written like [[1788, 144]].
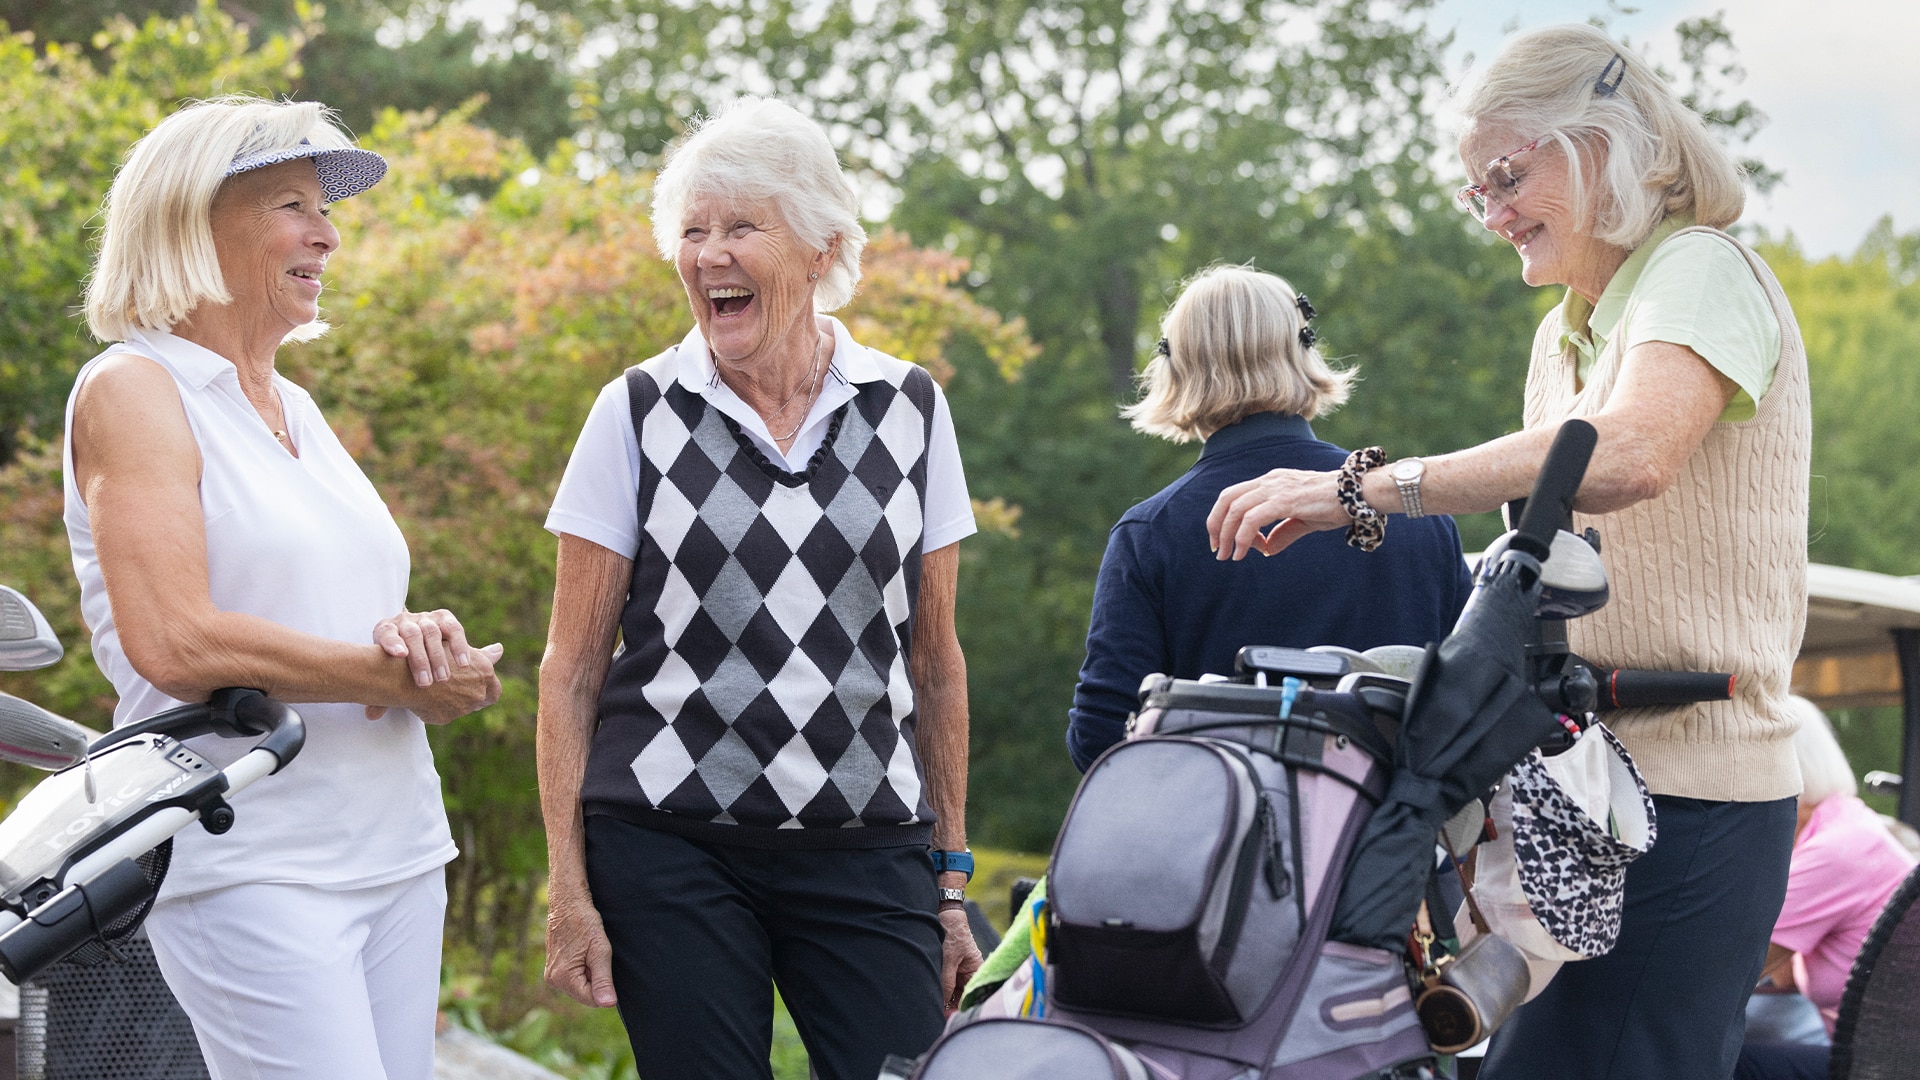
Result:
[[1237, 369]]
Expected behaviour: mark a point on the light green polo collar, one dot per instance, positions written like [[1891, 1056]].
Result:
[[1588, 326]]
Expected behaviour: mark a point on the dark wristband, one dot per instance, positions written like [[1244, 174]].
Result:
[[959, 862]]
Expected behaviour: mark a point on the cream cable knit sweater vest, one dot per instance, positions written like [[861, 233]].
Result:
[[1709, 576]]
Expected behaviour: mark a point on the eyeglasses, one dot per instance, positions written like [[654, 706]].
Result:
[[1501, 185]]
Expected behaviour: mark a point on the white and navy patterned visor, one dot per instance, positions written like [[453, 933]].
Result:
[[343, 172]]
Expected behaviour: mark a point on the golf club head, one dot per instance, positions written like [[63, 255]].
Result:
[[33, 736], [26, 641], [1400, 660], [1356, 660], [1574, 579]]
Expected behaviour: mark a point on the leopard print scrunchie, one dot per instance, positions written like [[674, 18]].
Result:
[[1369, 526]]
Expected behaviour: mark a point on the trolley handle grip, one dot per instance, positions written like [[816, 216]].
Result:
[[1628, 688], [1550, 505]]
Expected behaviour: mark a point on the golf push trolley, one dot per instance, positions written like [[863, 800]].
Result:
[[82, 855]]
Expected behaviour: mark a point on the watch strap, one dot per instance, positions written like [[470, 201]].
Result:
[[953, 896], [960, 862], [1410, 493]]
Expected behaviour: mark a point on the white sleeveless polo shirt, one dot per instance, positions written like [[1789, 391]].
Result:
[[307, 543]]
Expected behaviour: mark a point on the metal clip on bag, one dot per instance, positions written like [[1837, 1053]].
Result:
[[1466, 998]]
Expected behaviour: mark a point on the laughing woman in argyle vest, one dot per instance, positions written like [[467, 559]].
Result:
[[769, 624], [766, 783]]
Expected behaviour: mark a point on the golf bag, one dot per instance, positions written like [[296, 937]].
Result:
[[1230, 895], [1192, 886]]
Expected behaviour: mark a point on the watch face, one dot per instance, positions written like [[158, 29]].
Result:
[[1410, 469]]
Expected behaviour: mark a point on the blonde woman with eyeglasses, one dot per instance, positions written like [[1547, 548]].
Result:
[[1676, 342]]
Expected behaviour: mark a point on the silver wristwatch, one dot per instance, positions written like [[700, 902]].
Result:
[[956, 896], [1407, 474]]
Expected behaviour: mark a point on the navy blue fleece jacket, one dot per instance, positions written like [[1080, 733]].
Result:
[[1165, 604]]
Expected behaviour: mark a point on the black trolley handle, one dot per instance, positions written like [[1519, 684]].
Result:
[[1632, 688], [1550, 505], [234, 712], [106, 883]]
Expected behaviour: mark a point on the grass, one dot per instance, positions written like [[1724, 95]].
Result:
[[994, 873]]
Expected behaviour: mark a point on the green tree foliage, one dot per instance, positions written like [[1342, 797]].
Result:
[[358, 56], [1712, 69], [1063, 145], [65, 125], [1860, 319]]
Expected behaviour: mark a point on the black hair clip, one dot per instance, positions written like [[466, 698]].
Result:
[[1603, 88], [1161, 348], [1307, 336]]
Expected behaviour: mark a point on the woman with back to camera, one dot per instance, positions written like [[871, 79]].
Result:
[[1675, 341], [768, 514], [1237, 369], [222, 537]]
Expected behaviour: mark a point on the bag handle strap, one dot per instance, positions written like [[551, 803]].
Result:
[[1473, 906]]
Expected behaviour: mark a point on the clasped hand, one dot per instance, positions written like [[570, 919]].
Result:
[[453, 678]]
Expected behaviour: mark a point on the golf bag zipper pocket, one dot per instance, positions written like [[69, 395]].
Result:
[[1171, 883]]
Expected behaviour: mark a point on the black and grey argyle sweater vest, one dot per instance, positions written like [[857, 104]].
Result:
[[763, 694]]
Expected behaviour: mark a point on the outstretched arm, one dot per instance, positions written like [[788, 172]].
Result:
[[1666, 402]]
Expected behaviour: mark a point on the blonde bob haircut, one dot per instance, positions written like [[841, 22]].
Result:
[[157, 262], [1655, 155], [761, 148], [1233, 350], [1824, 771]]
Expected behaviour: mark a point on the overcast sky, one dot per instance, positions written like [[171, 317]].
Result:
[[1838, 80]]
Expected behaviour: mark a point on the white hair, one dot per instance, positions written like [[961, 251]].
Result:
[[157, 261], [1823, 765], [761, 148], [1659, 157]]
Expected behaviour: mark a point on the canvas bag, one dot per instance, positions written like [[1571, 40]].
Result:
[[1553, 879]]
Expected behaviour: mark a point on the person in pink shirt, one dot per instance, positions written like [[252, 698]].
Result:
[[1846, 863]]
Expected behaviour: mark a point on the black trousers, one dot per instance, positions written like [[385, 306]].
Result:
[[1669, 1002], [703, 932], [1782, 1061]]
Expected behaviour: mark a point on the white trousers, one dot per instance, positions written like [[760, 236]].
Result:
[[291, 982]]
